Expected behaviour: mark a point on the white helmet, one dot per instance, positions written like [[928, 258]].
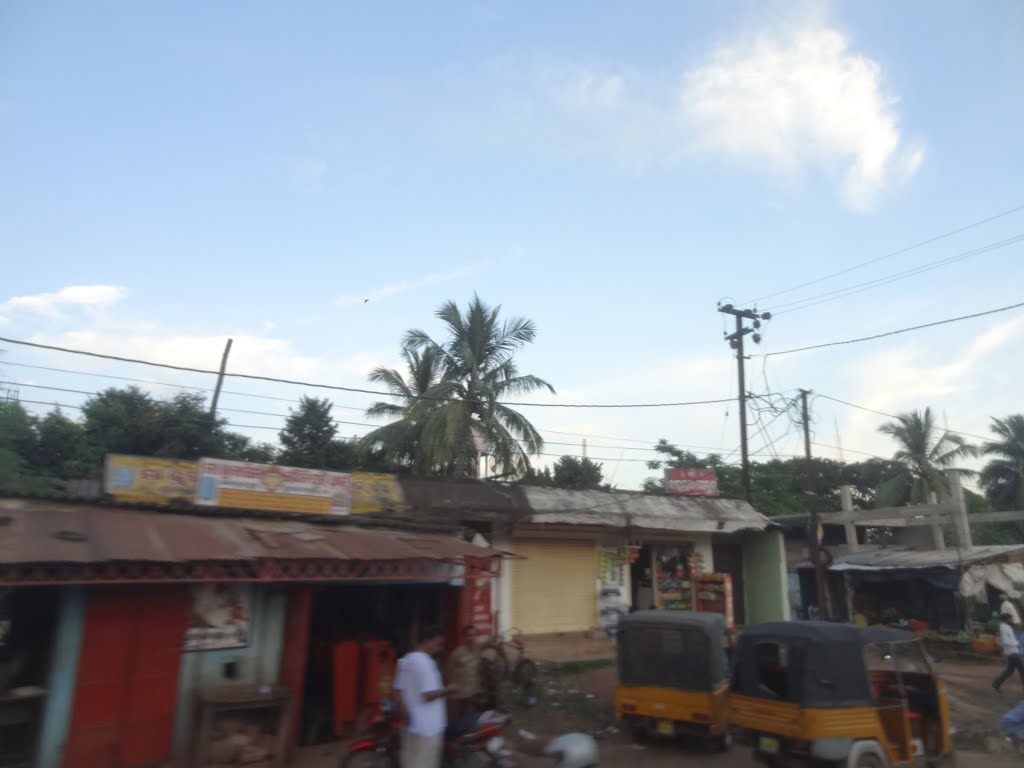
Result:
[[574, 750]]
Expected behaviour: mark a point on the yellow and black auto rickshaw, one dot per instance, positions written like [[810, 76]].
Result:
[[857, 697], [673, 675]]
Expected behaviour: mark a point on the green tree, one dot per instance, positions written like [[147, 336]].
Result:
[[132, 422], [308, 434], [1003, 476], [19, 444], [578, 474], [238, 447], [186, 429], [925, 454], [464, 413], [400, 440], [60, 446]]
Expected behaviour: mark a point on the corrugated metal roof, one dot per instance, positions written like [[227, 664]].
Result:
[[641, 510], [900, 558], [33, 531]]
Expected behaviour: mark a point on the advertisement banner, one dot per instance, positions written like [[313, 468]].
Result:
[[241, 485], [376, 492], [691, 482], [221, 617], [480, 615], [612, 594], [146, 480]]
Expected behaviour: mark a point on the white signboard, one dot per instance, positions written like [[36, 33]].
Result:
[[242, 485]]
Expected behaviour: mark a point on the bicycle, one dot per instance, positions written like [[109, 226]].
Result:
[[503, 659]]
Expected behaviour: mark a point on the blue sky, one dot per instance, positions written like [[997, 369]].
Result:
[[174, 174]]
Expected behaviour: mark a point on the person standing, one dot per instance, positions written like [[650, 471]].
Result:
[[422, 693], [464, 673], [1007, 607], [1011, 651]]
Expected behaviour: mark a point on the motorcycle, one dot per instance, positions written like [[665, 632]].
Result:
[[471, 743]]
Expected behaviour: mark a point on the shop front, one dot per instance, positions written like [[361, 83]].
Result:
[[553, 585], [201, 639]]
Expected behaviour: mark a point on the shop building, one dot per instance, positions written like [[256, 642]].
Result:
[[129, 637], [578, 557]]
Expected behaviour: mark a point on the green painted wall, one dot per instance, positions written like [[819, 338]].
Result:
[[765, 588]]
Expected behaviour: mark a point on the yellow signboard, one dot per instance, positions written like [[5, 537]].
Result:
[[375, 492], [146, 480]]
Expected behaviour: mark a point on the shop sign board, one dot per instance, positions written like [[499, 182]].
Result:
[[221, 616], [691, 482], [480, 615], [241, 485], [148, 480], [376, 492]]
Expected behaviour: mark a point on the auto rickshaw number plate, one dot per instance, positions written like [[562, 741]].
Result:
[[768, 745], [666, 728]]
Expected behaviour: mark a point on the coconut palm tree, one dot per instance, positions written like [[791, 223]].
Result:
[[1003, 476], [400, 440], [925, 455], [465, 410]]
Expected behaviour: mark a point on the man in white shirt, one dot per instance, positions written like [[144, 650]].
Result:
[[418, 682], [1011, 650], [1010, 609]]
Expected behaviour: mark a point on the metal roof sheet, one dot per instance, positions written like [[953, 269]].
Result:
[[642, 510], [900, 558], [33, 531]]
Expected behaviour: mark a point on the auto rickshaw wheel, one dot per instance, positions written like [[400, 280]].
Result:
[[722, 742], [869, 760], [640, 734]]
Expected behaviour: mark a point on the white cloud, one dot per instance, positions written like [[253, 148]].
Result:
[[805, 99], [394, 289], [785, 102], [50, 304]]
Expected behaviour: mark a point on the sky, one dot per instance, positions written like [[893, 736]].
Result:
[[313, 179]]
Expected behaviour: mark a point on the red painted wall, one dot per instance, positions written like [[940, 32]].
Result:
[[127, 686], [295, 652]]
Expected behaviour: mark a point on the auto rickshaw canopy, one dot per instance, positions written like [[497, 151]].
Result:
[[684, 650], [811, 663]]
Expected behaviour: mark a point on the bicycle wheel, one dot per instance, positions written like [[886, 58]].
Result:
[[527, 680], [371, 758]]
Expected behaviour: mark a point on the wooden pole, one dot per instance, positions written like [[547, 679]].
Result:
[[220, 379]]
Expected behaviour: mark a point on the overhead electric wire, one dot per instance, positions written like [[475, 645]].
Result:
[[894, 333], [360, 390], [839, 293], [894, 416], [899, 252]]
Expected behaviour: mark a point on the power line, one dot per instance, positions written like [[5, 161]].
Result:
[[74, 372], [359, 390], [894, 416], [376, 425], [894, 333], [891, 254], [839, 293]]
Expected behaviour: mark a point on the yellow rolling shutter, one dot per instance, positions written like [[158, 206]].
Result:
[[555, 588]]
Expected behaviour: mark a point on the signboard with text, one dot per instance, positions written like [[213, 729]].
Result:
[[242, 485], [691, 482], [147, 480], [376, 492], [221, 617]]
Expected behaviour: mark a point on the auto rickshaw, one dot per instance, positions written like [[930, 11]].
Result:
[[673, 675], [857, 697]]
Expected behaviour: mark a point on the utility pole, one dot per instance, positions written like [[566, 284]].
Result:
[[220, 379], [812, 537], [736, 342]]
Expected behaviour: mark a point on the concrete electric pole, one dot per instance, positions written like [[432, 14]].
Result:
[[736, 342]]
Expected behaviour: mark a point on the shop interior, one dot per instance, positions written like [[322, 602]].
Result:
[[357, 633], [661, 577], [28, 616]]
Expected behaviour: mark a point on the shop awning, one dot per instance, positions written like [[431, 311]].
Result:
[[53, 541]]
